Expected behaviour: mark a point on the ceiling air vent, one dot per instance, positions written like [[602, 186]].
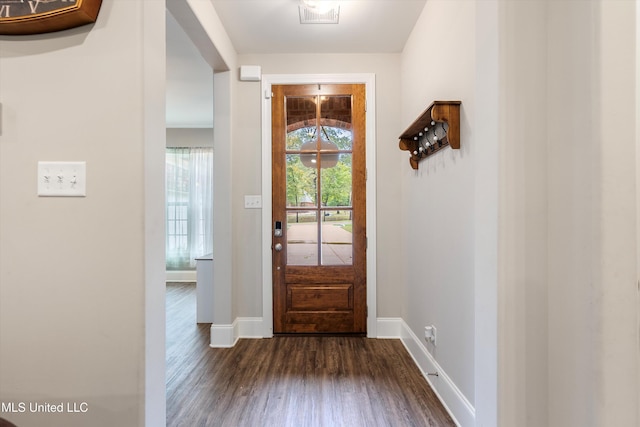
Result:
[[310, 15]]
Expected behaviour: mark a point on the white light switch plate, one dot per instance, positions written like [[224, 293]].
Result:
[[62, 179], [252, 202]]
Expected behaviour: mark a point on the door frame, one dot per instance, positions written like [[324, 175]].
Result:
[[269, 80]]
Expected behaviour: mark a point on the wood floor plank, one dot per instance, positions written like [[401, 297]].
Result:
[[290, 381]]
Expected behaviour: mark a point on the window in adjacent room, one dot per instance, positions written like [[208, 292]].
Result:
[[189, 181]]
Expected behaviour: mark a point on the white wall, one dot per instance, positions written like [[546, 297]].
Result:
[[247, 170], [569, 315], [438, 220], [592, 239], [488, 360], [566, 264], [189, 137], [72, 326], [617, 270], [524, 219], [154, 94]]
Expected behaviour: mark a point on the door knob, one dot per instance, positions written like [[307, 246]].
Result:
[[278, 247]]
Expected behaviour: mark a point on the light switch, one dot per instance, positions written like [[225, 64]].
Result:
[[62, 179], [252, 202]]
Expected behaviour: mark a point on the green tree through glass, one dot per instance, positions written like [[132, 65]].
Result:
[[302, 180]]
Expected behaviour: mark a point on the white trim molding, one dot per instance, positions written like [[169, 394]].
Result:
[[458, 406], [222, 336], [181, 276], [369, 80], [389, 327], [248, 327], [226, 336]]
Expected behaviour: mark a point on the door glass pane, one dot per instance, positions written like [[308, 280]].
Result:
[[336, 179], [301, 122], [302, 139], [302, 238], [316, 236], [336, 122], [337, 237], [302, 180]]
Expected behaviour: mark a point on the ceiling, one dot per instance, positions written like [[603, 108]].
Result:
[[273, 26]]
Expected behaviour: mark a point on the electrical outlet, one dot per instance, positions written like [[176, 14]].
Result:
[[430, 334], [62, 179]]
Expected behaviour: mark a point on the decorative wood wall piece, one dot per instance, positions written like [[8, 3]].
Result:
[[19, 17], [437, 127]]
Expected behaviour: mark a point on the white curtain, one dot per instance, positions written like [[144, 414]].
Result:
[[189, 198]]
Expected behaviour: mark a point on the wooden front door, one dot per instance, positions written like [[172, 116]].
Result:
[[319, 201]]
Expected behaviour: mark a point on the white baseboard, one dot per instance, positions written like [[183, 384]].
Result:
[[222, 336], [225, 336], [389, 327], [181, 276], [248, 327], [460, 409]]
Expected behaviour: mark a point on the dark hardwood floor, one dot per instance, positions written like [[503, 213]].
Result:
[[290, 381]]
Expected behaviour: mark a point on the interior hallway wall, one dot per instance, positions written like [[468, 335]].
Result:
[[567, 316], [592, 214], [189, 137], [437, 219], [568, 347], [524, 219], [72, 270]]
